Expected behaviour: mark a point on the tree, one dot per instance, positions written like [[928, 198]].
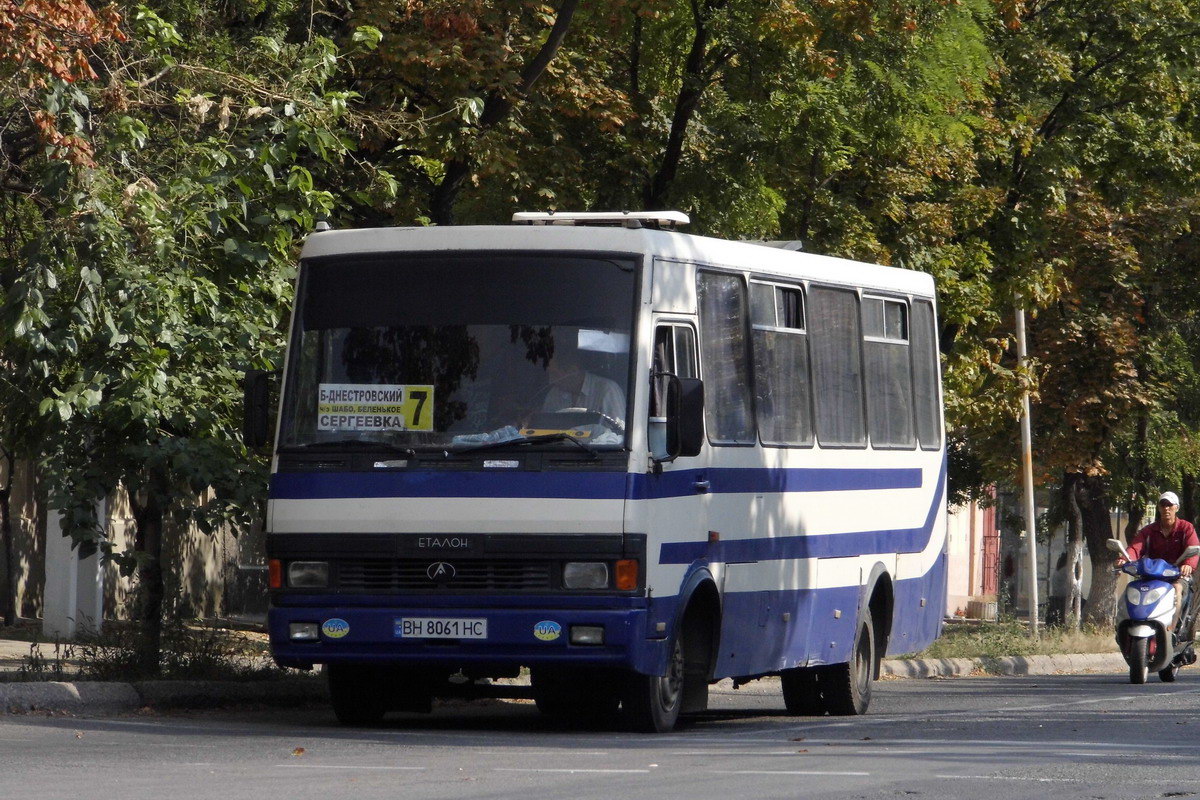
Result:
[[1092, 96], [161, 267], [42, 43]]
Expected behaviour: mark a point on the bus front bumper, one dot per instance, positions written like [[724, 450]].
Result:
[[508, 638]]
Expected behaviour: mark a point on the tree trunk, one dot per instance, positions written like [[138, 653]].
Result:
[[8, 581], [1187, 497], [1071, 487], [1010, 548], [149, 518], [1097, 530], [496, 107], [698, 75]]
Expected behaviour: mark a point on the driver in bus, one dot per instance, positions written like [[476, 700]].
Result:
[[573, 387], [1167, 538]]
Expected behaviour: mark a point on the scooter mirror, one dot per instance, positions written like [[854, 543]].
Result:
[[1187, 553], [1116, 546]]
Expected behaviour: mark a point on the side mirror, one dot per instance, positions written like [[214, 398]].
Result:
[[1187, 553], [681, 431], [1116, 546], [256, 408]]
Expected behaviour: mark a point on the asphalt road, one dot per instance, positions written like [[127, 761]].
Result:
[[1083, 736]]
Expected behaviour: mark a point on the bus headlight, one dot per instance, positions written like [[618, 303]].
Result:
[[308, 574], [585, 575]]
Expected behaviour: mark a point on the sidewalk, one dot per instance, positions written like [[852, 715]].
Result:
[[93, 697]]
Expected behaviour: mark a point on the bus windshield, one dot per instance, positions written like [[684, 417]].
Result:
[[459, 352]]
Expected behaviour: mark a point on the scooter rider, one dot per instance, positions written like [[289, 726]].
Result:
[[1167, 538]]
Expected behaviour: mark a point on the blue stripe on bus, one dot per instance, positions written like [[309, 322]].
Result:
[[821, 545], [581, 485], [730, 480]]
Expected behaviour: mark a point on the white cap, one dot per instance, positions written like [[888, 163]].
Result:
[[1174, 498]]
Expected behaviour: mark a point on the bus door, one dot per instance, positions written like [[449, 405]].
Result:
[[677, 514]]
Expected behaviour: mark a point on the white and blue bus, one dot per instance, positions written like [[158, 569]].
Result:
[[632, 460]]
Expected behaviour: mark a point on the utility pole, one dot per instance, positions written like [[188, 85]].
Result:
[[1027, 475]]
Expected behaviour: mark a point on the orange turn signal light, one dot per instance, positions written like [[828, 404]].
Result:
[[627, 574], [275, 573]]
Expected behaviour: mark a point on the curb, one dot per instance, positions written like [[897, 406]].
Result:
[[98, 697], [87, 697], [1003, 665]]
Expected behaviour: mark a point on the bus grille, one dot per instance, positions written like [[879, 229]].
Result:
[[401, 575]]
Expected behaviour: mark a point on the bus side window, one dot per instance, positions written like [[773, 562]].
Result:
[[888, 372], [675, 353], [781, 381], [925, 375], [837, 366], [728, 406]]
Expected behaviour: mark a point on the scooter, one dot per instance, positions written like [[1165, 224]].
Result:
[[1144, 616]]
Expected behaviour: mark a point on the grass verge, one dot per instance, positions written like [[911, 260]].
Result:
[[1011, 638], [189, 652]]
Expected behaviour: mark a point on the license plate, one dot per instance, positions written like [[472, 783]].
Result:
[[440, 628]]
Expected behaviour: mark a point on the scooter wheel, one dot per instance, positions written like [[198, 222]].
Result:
[[1167, 674]]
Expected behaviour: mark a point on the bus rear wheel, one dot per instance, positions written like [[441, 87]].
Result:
[[846, 688]]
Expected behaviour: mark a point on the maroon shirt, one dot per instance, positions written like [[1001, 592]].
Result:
[[1151, 542]]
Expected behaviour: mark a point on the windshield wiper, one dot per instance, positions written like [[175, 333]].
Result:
[[342, 444], [528, 440]]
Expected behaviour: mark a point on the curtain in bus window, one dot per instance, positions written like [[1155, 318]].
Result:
[[889, 393], [664, 361], [837, 375], [726, 370], [781, 383], [925, 375]]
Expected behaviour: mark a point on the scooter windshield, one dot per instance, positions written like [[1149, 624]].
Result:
[[1151, 568]]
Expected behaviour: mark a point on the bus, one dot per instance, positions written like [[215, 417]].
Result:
[[630, 460]]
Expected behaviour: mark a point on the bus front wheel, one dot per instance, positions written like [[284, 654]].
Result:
[[653, 702], [802, 691], [353, 691]]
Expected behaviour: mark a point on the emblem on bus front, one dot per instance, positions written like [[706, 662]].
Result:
[[547, 630], [335, 628], [440, 571]]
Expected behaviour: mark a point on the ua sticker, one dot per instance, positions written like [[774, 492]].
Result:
[[547, 630], [335, 628]]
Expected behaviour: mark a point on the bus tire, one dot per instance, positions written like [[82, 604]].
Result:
[[653, 702], [579, 694], [846, 688], [802, 692], [354, 693]]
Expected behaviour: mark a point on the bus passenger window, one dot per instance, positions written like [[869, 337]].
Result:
[[888, 372], [836, 365], [727, 409], [782, 390], [925, 375]]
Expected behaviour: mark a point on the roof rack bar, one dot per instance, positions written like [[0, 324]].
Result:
[[662, 220]]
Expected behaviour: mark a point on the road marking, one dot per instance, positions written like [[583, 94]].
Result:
[[346, 766], [976, 713], [568, 770], [785, 772], [1009, 778], [734, 753]]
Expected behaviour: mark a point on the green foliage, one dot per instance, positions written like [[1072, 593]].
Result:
[[150, 217]]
